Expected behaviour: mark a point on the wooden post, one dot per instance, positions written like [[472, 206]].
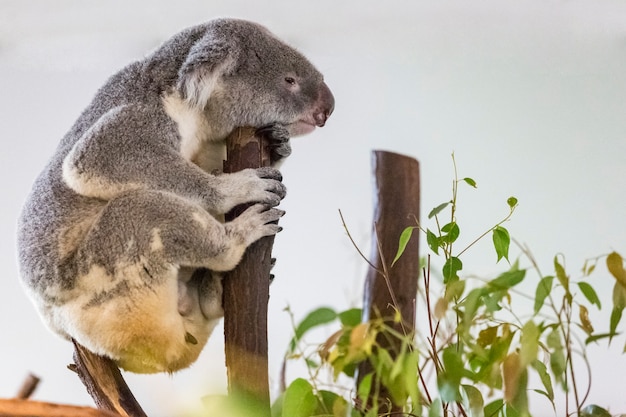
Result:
[[397, 196], [246, 293]]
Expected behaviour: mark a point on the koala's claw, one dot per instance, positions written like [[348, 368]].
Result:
[[277, 188], [278, 137], [269, 173]]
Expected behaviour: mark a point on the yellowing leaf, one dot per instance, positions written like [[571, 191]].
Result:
[[361, 341], [487, 336], [583, 314], [615, 263], [328, 344], [441, 306], [511, 371]]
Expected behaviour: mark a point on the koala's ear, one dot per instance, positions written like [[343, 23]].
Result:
[[208, 59]]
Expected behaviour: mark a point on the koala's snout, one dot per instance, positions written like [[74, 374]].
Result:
[[325, 105]]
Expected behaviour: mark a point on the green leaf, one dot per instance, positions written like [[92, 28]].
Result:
[[511, 201], [435, 409], [405, 236], [365, 387], [451, 231], [315, 318], [501, 242], [561, 275], [471, 304], [593, 410], [449, 381], [615, 264], [438, 209], [433, 241], [543, 290], [493, 408], [507, 279], [596, 337], [590, 294], [474, 400], [410, 377], [619, 295], [542, 371], [616, 317], [529, 343], [331, 404], [558, 365], [470, 182], [351, 317], [450, 269], [299, 400]]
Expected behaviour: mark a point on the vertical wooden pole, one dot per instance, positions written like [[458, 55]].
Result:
[[246, 293], [397, 197]]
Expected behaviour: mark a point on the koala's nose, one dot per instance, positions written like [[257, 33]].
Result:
[[325, 105]]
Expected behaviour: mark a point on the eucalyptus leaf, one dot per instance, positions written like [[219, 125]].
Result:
[[451, 268], [561, 275], [615, 264], [507, 279], [529, 343], [405, 236], [589, 293], [616, 317], [433, 241], [543, 290], [493, 408], [322, 315], [470, 182], [438, 209], [299, 399], [501, 242], [451, 231], [544, 376], [593, 410], [351, 317], [474, 400]]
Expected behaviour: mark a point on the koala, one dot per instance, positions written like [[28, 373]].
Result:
[[120, 242]]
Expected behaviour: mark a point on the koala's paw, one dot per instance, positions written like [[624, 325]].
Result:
[[273, 185], [278, 138], [261, 185], [254, 223]]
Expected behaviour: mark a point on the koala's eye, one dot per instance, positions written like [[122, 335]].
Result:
[[290, 80]]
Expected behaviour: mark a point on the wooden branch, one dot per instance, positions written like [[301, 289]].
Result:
[[246, 293], [105, 383], [397, 195], [28, 387], [27, 408]]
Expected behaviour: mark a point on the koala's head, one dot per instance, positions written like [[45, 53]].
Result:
[[240, 74]]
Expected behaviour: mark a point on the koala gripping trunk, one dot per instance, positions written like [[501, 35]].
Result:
[[246, 293]]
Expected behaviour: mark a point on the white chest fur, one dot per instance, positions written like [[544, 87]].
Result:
[[196, 143]]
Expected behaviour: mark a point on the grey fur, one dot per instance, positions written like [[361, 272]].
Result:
[[119, 246]]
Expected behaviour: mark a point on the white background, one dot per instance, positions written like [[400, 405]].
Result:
[[530, 96]]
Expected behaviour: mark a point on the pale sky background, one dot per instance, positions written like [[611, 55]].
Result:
[[531, 97]]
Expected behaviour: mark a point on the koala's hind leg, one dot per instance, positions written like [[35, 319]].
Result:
[[139, 300]]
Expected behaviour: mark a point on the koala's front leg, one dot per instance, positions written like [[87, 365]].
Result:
[[278, 137], [136, 147]]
